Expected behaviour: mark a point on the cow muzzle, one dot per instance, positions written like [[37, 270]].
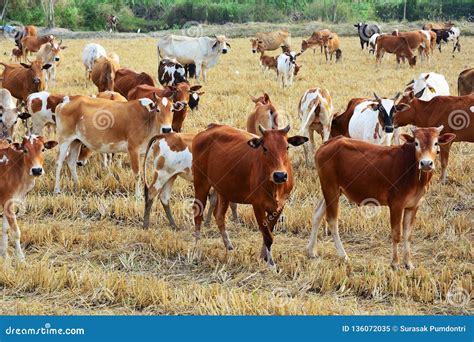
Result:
[[280, 177], [81, 163], [224, 51], [388, 129], [165, 130], [36, 80], [36, 171], [253, 50], [426, 165]]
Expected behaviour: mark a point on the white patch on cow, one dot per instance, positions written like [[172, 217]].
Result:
[[32, 138], [195, 96], [472, 109], [434, 81], [147, 103], [364, 124], [164, 101], [66, 100], [4, 159]]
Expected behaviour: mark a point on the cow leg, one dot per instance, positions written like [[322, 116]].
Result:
[[212, 205], [444, 162], [201, 191], [4, 245], [135, 164], [361, 44], [219, 213], [165, 200], [395, 222], [235, 216], [266, 228], [11, 218], [63, 149], [71, 160], [318, 216], [408, 220], [198, 70], [396, 136]]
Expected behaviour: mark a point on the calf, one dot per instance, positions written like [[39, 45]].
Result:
[[170, 72], [286, 67], [8, 115], [454, 113], [316, 38], [262, 176], [24, 79], [367, 174], [20, 164], [103, 73], [396, 45], [16, 55], [90, 53], [267, 63], [315, 110], [127, 79], [264, 115], [181, 93], [466, 82], [331, 47], [50, 53], [110, 127], [33, 43]]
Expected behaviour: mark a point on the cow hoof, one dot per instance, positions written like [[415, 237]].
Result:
[[311, 254], [409, 266], [230, 247], [395, 267]]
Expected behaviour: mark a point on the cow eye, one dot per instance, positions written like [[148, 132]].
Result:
[[288, 147], [25, 151], [265, 149], [416, 144], [436, 144]]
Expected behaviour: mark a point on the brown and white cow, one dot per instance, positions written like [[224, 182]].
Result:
[[127, 79], [368, 174], [110, 127], [170, 72], [315, 110], [50, 53], [20, 164], [466, 82], [454, 113], [271, 40], [317, 38], [396, 45], [24, 79], [264, 115], [33, 43], [243, 168], [181, 93], [103, 73]]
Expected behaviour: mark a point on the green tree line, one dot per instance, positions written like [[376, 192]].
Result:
[[151, 15]]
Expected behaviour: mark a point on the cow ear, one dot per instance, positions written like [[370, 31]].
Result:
[[402, 107], [195, 88], [50, 144], [46, 66], [407, 138], [255, 142], [201, 93], [297, 140], [25, 65], [24, 116], [446, 138], [266, 97], [63, 47]]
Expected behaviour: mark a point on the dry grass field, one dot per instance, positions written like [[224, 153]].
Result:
[[86, 252]]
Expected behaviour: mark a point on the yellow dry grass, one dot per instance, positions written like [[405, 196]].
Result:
[[87, 254]]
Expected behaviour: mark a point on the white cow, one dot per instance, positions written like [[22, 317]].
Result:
[[90, 53], [50, 53], [316, 113], [286, 63], [372, 121], [204, 52], [427, 86], [8, 114]]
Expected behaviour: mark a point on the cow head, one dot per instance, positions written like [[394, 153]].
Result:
[[418, 87], [8, 119], [412, 61], [257, 45], [274, 145], [56, 50], [33, 147], [427, 142], [386, 111], [262, 100], [165, 108], [220, 44], [35, 74], [194, 97], [84, 155], [359, 25]]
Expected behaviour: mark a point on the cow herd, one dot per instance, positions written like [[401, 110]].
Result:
[[228, 166]]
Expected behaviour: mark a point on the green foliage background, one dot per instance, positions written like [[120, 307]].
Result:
[[150, 15]]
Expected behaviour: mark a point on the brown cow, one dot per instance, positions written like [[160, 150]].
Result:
[[267, 63], [264, 115], [110, 127], [16, 55], [20, 164], [331, 46], [317, 38], [23, 79], [33, 43], [127, 79], [103, 73], [368, 174], [243, 168], [180, 93], [396, 45], [272, 40], [455, 113], [417, 40], [466, 82]]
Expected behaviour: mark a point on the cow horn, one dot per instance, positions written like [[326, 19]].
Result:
[[440, 128], [60, 42], [286, 129], [397, 95], [261, 129], [377, 98]]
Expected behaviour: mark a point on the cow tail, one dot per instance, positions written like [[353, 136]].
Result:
[[146, 187], [459, 85], [159, 53]]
